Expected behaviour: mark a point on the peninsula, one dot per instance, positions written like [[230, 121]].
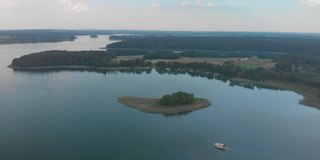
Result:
[[177, 103]]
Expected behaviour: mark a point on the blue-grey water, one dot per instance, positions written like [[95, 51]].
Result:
[[73, 115]]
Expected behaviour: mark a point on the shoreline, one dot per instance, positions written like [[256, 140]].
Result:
[[82, 67], [309, 94], [151, 105]]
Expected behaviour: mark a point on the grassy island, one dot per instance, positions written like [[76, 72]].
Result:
[[177, 103]]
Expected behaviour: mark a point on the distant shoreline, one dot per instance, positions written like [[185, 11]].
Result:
[[81, 67], [151, 105]]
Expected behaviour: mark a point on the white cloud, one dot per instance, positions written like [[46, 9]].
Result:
[[155, 6], [74, 5], [185, 4], [311, 3], [196, 4], [199, 2], [79, 7], [210, 5]]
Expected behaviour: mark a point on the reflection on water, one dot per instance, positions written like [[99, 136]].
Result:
[[207, 75], [103, 71]]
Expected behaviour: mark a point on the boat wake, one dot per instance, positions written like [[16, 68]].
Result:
[[228, 149]]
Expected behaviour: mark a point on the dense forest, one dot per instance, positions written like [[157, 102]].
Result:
[[281, 44], [191, 53], [234, 71], [162, 55], [63, 58], [75, 58], [123, 37]]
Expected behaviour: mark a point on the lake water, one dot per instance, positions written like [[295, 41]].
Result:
[[73, 115]]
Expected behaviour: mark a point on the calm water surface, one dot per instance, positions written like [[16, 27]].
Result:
[[73, 115]]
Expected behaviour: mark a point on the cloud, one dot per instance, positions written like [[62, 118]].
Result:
[[155, 6], [199, 2], [74, 5], [79, 7], [185, 4], [311, 3], [211, 5], [196, 4]]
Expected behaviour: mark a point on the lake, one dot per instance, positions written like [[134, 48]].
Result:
[[74, 115]]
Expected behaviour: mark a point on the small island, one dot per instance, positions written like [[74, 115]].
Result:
[[176, 103], [94, 36]]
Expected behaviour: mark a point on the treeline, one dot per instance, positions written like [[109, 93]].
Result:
[[233, 71], [188, 53], [230, 54], [123, 37], [127, 52], [280, 44], [177, 99], [162, 55], [94, 59], [128, 63], [34, 39], [298, 63], [35, 36], [147, 54], [63, 58], [229, 70]]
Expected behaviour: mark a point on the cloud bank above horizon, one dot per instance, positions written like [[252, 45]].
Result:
[[197, 15]]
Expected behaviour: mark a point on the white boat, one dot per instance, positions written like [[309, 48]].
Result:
[[220, 146]]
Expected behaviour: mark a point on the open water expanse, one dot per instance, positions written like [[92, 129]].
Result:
[[74, 115]]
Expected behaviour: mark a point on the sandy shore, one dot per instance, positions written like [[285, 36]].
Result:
[[151, 105]]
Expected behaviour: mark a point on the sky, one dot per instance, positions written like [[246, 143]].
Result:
[[187, 15]]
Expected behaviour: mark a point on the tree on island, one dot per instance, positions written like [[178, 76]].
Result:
[[177, 99]]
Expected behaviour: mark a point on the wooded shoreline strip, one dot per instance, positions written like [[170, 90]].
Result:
[[151, 105], [81, 67]]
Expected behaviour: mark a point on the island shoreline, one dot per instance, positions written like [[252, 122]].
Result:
[[151, 105]]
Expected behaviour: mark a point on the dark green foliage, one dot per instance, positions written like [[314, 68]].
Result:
[[296, 62], [284, 67], [93, 36], [190, 53], [229, 70], [148, 54], [63, 58], [162, 55], [233, 71], [228, 54], [259, 74], [282, 44], [177, 99], [34, 36], [122, 37], [130, 63], [125, 52], [75, 58]]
